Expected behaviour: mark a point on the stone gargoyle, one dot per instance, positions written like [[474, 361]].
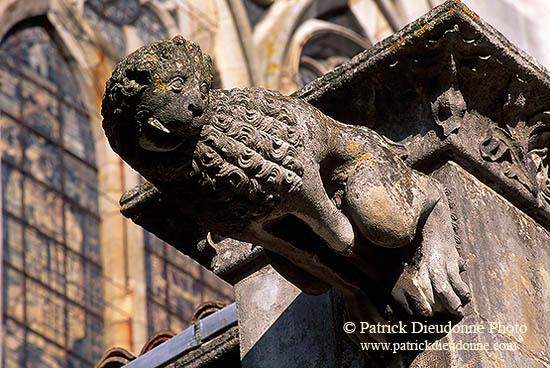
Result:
[[331, 202]]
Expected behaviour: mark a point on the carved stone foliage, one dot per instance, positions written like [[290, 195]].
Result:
[[539, 141], [521, 148]]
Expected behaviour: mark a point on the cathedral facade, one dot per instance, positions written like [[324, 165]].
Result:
[[78, 278]]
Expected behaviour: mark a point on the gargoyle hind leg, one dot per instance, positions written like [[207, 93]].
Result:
[[387, 201], [438, 269]]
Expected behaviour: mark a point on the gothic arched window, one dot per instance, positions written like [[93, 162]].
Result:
[[52, 272]]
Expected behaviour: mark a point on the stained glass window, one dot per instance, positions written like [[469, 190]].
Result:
[[8, 92], [149, 27], [44, 260], [110, 31], [117, 11], [39, 109], [13, 294], [77, 136], [12, 190], [13, 243], [108, 17], [176, 285], [52, 275], [13, 344]]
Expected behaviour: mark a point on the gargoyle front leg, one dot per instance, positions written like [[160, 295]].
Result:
[[434, 281], [321, 215]]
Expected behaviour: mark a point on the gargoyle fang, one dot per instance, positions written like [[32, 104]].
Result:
[[155, 123]]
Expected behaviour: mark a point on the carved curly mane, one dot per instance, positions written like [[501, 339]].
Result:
[[246, 156]]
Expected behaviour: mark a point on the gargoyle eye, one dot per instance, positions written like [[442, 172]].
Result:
[[176, 85], [204, 88]]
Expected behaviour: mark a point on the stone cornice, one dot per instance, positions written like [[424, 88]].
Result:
[[449, 86]]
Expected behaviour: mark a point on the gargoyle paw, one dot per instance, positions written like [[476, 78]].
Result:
[[434, 284], [448, 285]]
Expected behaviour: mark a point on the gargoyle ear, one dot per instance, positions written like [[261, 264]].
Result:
[[208, 66], [208, 60]]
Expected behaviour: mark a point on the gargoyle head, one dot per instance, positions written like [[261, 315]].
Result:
[[157, 98], [233, 153]]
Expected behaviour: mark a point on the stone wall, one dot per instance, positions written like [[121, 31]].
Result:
[[508, 263]]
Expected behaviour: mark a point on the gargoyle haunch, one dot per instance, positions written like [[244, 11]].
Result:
[[325, 199]]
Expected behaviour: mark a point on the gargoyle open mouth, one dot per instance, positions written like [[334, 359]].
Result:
[[155, 136]]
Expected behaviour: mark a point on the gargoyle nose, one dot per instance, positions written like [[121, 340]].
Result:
[[196, 108]]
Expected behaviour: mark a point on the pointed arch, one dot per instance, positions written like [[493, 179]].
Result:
[[279, 37], [317, 47]]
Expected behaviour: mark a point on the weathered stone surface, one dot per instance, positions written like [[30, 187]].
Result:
[[449, 85], [508, 262], [323, 197], [446, 88]]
